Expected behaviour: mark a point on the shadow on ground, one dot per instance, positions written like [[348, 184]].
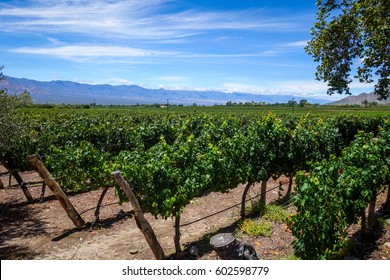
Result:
[[97, 224], [364, 245], [203, 244], [18, 220]]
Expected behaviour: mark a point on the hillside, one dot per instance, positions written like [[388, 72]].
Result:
[[67, 92], [359, 99]]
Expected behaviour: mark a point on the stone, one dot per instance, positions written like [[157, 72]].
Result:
[[387, 244], [133, 251], [194, 251]]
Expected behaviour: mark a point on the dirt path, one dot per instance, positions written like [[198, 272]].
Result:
[[44, 231]]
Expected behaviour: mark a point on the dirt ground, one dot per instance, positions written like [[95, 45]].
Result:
[[43, 230]]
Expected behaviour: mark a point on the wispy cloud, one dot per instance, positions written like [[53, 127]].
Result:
[[119, 81], [306, 87], [303, 88], [248, 88], [90, 51], [138, 19], [296, 44], [172, 78]]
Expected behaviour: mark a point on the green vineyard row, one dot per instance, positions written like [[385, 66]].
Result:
[[171, 158]]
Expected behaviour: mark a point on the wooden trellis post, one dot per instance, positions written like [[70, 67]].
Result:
[[142, 223], [56, 190], [20, 181]]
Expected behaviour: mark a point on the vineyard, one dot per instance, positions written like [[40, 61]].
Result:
[[340, 163]]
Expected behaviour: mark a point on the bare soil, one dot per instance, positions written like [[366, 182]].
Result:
[[43, 230]]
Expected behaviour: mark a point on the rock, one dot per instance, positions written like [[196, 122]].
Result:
[[350, 258], [387, 244], [133, 251], [194, 251]]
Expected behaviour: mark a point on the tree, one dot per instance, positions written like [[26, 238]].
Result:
[[10, 129], [303, 103], [349, 32], [292, 102], [25, 99]]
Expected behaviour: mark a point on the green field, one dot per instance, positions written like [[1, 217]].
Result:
[[276, 109], [172, 155]]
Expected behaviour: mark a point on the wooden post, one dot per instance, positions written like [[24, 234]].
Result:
[[57, 191], [42, 198], [23, 186], [20, 181], [142, 223]]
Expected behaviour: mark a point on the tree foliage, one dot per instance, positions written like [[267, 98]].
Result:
[[349, 32], [336, 192], [9, 128]]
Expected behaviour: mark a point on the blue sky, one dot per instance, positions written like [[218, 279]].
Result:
[[245, 46]]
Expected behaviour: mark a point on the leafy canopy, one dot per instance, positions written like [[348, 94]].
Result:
[[348, 33], [10, 127]]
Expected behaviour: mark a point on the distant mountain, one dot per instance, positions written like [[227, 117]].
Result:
[[358, 99], [57, 92]]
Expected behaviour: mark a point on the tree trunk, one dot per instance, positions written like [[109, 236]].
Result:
[[289, 190], [177, 234], [243, 200], [363, 222], [371, 214], [388, 196], [263, 191], [97, 211], [290, 183]]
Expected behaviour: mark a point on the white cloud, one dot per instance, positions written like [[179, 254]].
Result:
[[247, 88], [172, 78], [301, 88], [119, 81], [133, 18], [228, 55], [90, 51], [296, 44]]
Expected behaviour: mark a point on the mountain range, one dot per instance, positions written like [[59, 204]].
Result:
[[359, 99], [67, 92]]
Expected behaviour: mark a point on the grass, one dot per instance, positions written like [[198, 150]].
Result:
[[271, 212], [382, 222], [256, 227], [275, 213]]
